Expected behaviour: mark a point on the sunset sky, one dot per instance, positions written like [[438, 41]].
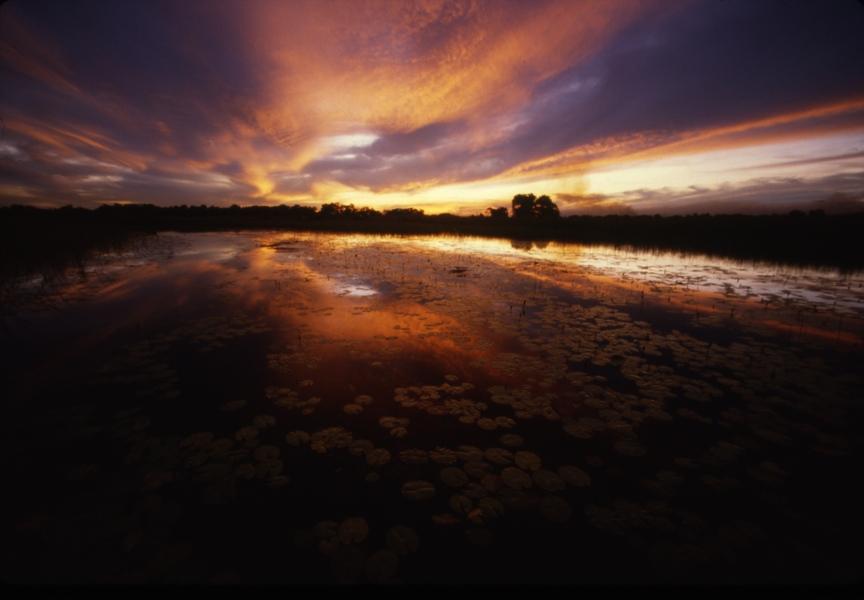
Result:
[[612, 106]]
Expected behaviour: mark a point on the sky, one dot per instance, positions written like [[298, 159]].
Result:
[[619, 106]]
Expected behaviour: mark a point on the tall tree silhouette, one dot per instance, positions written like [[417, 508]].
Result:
[[522, 206], [530, 207], [544, 208]]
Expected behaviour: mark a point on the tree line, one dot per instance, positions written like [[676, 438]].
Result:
[[811, 238]]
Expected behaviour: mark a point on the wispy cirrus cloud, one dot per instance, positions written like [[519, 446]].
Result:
[[436, 103]]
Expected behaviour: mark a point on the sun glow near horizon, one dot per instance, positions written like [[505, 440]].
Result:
[[446, 106]]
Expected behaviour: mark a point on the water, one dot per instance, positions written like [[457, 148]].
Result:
[[268, 407]]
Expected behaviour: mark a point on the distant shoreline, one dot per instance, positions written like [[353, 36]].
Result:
[[805, 239]]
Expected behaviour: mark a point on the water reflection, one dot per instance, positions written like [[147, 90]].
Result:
[[308, 407]]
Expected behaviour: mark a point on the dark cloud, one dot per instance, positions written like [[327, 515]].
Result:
[[810, 161], [171, 101], [840, 193], [712, 65], [411, 142]]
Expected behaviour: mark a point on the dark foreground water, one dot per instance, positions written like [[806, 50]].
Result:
[[328, 408]]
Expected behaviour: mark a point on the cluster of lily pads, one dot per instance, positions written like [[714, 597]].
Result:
[[554, 370]]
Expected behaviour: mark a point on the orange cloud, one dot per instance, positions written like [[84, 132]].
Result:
[[847, 116], [436, 103]]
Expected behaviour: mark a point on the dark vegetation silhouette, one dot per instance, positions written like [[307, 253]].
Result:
[[528, 207], [31, 236]]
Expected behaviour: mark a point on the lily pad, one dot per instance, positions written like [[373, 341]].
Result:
[[460, 504], [574, 476], [498, 456], [246, 434], [516, 478], [360, 447], [264, 421], [398, 432], [454, 477], [527, 460], [469, 453], [491, 507], [443, 456], [414, 456], [475, 490], [548, 481], [363, 400], [393, 422], [378, 457], [477, 469], [245, 471], [445, 519], [418, 490], [353, 530], [511, 440], [505, 422]]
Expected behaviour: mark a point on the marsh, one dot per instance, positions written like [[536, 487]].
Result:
[[309, 407]]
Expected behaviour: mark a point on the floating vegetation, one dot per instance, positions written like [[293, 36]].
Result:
[[297, 438], [527, 460], [516, 478], [418, 490], [395, 425], [454, 477], [329, 438], [353, 530], [548, 481], [498, 456], [461, 505], [512, 440], [414, 456], [574, 476], [443, 456], [460, 406], [263, 421], [378, 457], [246, 434], [290, 399]]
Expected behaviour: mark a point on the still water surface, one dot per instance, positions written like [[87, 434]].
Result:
[[282, 407]]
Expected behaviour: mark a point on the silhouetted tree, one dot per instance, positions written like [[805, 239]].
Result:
[[335, 209], [522, 206], [368, 213], [544, 208], [401, 213], [497, 213], [529, 206]]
